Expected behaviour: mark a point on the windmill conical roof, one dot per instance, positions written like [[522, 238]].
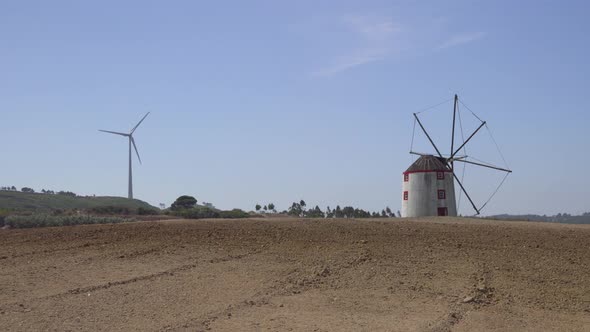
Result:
[[428, 163]]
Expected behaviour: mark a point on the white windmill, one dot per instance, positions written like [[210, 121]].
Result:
[[428, 184], [131, 142]]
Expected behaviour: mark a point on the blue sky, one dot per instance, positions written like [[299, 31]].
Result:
[[274, 101]]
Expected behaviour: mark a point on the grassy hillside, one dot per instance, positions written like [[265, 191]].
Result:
[[44, 202], [562, 218]]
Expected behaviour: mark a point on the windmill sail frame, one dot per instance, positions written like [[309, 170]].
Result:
[[449, 162]]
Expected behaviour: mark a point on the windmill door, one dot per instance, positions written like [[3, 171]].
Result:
[[442, 211]]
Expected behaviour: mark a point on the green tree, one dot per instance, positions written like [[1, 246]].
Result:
[[184, 202], [296, 210], [303, 205], [338, 212], [271, 207], [316, 212], [348, 212], [389, 213], [265, 208], [258, 207], [329, 213]]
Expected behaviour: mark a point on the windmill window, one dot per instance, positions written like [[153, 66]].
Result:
[[406, 177], [442, 194], [440, 175], [405, 195]]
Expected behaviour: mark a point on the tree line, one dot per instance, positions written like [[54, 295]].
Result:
[[13, 188], [186, 206], [43, 191], [270, 207], [299, 209], [564, 218]]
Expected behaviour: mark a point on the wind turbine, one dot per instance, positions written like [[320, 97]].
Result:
[[131, 142]]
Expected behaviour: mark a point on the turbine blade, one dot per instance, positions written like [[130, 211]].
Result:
[[135, 147], [113, 132], [140, 121]]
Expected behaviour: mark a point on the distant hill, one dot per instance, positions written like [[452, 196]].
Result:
[[562, 218], [16, 200]]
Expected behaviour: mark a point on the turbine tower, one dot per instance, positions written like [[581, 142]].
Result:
[[131, 142]]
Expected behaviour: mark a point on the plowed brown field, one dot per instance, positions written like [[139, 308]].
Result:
[[437, 274]]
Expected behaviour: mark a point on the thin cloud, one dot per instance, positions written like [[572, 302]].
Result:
[[370, 38], [461, 39], [347, 62], [376, 38], [372, 29]]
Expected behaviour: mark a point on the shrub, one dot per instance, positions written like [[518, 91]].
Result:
[[234, 214], [197, 213], [117, 210], [147, 211], [3, 214], [207, 213], [58, 212], [43, 220]]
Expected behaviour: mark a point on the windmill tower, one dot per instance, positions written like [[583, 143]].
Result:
[[428, 187], [131, 143]]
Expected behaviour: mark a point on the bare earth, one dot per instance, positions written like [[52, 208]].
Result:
[[438, 274]]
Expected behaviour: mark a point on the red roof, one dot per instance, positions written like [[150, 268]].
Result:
[[428, 164]]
